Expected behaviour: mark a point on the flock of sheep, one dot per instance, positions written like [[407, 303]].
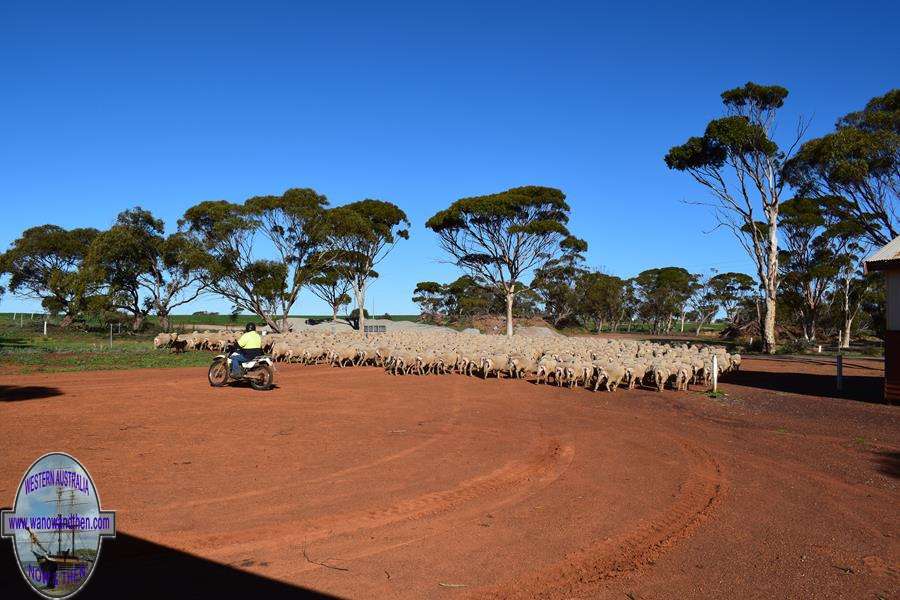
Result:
[[593, 363]]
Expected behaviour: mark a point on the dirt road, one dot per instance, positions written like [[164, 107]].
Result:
[[354, 483]]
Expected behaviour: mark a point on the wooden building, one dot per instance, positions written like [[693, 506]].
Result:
[[887, 260]]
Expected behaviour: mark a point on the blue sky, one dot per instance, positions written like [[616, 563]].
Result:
[[163, 104]]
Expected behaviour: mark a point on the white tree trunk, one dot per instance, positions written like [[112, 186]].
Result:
[[848, 318], [360, 293], [846, 331], [771, 280], [768, 332], [510, 298]]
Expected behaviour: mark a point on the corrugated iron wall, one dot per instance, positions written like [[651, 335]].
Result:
[[892, 367]]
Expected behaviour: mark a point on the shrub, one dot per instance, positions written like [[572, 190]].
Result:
[[793, 347]]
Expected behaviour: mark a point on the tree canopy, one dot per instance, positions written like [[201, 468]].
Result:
[[600, 297], [47, 263], [665, 292], [143, 269], [742, 166], [860, 162], [499, 238], [295, 226], [364, 233]]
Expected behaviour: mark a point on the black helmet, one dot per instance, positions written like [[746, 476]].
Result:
[[250, 327]]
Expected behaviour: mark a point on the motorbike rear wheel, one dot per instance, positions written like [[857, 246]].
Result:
[[261, 377], [218, 373]]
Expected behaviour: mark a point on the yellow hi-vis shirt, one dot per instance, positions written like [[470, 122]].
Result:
[[250, 341]]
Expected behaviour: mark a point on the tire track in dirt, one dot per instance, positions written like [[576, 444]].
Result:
[[542, 469], [581, 571], [431, 439]]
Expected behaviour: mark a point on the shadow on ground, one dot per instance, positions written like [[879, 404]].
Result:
[[889, 463], [865, 363], [856, 387], [131, 567], [16, 393]]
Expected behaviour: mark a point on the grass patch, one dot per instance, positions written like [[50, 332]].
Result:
[[26, 350]]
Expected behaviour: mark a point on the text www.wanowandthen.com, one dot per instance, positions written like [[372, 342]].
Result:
[[59, 523]]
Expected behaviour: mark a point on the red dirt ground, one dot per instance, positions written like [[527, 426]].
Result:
[[359, 484]]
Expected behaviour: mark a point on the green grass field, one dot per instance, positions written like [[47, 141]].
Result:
[[23, 349]]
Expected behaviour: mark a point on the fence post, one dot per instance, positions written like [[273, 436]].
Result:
[[45, 327], [715, 373], [840, 372], [110, 336]]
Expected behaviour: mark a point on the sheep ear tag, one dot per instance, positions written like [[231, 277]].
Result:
[[57, 526]]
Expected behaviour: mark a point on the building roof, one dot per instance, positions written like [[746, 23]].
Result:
[[886, 258]]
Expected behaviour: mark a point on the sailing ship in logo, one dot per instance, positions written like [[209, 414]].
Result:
[[69, 565]]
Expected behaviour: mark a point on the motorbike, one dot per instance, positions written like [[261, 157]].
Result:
[[259, 372]]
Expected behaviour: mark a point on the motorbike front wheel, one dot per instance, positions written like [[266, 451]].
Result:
[[218, 373]]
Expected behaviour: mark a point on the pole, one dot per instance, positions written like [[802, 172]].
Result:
[[110, 336], [715, 373], [840, 372], [45, 327]]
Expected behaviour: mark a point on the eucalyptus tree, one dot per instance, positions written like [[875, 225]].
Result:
[[431, 297], [703, 301], [731, 291], [664, 292], [859, 162], [599, 298], [145, 270], [468, 297], [47, 263], [364, 233], [501, 237], [555, 284], [741, 165], [330, 286], [808, 262], [295, 226], [847, 241]]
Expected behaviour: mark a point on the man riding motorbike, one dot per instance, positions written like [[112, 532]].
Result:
[[249, 347]]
